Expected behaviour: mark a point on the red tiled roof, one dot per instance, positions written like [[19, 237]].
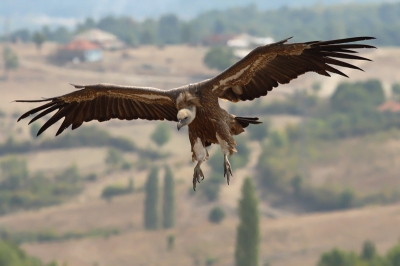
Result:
[[80, 45], [391, 106]]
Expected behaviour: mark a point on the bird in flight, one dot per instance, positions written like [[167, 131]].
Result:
[[196, 105]]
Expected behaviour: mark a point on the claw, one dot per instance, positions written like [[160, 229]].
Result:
[[198, 173], [227, 169]]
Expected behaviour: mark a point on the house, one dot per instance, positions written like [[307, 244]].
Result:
[[105, 40], [389, 106], [242, 44], [79, 51], [216, 39]]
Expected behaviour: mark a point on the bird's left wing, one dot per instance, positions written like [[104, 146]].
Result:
[[103, 102], [267, 66]]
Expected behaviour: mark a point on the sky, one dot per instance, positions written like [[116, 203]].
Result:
[[35, 14]]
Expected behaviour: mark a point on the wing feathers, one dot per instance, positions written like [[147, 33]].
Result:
[[103, 102], [267, 66], [45, 112]]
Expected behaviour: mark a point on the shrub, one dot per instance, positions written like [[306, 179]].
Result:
[[117, 190], [161, 134], [217, 214], [219, 58]]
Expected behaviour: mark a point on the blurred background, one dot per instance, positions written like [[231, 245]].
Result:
[[321, 172]]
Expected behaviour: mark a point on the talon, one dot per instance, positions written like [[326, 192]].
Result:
[[227, 169], [197, 176]]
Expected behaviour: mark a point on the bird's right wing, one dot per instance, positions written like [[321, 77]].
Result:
[[103, 102], [267, 66]]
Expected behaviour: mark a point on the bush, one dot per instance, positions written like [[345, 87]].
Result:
[[217, 214], [368, 257], [14, 173], [259, 132], [161, 134], [219, 58], [114, 157], [10, 59], [356, 96], [211, 186], [338, 257], [112, 191]]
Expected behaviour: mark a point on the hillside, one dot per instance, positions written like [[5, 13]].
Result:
[[290, 236]]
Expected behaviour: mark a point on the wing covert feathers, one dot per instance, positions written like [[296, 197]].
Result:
[[103, 102], [267, 66]]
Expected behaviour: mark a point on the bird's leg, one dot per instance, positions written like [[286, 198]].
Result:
[[198, 173], [227, 169]]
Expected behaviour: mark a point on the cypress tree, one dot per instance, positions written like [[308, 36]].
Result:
[[248, 232], [169, 199], [151, 201]]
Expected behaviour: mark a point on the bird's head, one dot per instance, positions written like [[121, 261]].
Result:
[[186, 116]]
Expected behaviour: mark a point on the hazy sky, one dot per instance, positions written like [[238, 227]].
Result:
[[33, 14]]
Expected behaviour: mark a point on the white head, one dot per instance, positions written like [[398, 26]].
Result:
[[186, 116]]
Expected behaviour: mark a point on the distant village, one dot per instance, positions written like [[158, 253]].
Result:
[[88, 46]]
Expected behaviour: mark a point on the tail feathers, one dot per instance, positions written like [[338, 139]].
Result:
[[245, 121]]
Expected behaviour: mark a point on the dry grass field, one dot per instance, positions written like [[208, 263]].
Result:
[[288, 238]]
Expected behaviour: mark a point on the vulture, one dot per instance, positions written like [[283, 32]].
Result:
[[196, 105]]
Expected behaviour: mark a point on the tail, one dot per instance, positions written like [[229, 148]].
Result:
[[245, 121]]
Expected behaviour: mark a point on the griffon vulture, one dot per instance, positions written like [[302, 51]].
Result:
[[196, 105]]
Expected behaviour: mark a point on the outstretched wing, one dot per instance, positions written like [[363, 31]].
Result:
[[267, 66], [102, 102]]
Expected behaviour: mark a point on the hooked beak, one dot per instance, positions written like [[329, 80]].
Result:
[[179, 125]]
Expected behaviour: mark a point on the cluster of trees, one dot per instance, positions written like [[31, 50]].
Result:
[[50, 235], [10, 59], [219, 57], [351, 111], [317, 23], [151, 203], [11, 254], [21, 190], [367, 257], [89, 136], [112, 191]]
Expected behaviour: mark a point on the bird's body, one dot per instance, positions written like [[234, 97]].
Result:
[[196, 105]]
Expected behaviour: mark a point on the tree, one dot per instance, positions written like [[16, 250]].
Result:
[[338, 257], [368, 250], [10, 60], [297, 182], [217, 214], [161, 134], [357, 96], [248, 232], [14, 173], [169, 199], [219, 58], [393, 255], [114, 157], [259, 132], [187, 35], [169, 29], [396, 91], [34, 130], [151, 201], [38, 38]]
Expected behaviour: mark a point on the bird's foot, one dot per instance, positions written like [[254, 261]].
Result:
[[227, 169], [197, 176]]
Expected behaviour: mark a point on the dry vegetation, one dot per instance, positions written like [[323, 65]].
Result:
[[287, 238]]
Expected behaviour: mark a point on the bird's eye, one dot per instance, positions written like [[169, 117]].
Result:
[[185, 118]]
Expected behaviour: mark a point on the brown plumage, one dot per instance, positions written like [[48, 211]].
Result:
[[196, 105]]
